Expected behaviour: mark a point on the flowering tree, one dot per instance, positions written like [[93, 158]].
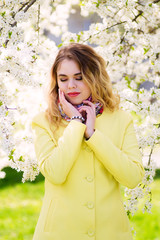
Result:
[[127, 37]]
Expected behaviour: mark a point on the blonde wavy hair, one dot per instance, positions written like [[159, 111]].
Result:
[[94, 74]]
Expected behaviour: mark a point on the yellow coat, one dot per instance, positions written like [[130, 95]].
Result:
[[82, 194]]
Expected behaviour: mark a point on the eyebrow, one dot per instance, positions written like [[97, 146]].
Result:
[[64, 75]]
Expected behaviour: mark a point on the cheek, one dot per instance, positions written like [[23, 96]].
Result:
[[87, 90], [84, 87], [61, 86]]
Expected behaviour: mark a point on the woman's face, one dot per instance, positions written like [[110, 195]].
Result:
[[70, 82]]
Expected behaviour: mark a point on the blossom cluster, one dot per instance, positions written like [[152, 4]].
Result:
[[22, 55]]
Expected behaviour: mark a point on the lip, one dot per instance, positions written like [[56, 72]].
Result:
[[73, 94]]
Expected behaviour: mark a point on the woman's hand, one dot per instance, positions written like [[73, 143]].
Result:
[[89, 109], [68, 108]]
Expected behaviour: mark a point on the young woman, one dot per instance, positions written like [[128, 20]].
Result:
[[86, 147]]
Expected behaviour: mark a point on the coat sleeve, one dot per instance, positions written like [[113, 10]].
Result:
[[56, 160], [124, 164]]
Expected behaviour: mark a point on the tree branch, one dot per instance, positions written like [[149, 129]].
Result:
[[25, 10], [140, 3], [156, 1], [139, 14], [23, 5], [104, 30], [7, 108], [150, 154], [29, 5]]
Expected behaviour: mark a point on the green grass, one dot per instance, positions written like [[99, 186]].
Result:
[[20, 204]]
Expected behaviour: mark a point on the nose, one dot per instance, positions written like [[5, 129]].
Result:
[[71, 84]]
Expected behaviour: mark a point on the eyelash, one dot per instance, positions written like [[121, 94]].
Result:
[[63, 80], [78, 79]]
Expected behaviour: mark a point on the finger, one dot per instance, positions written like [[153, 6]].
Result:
[[92, 105], [88, 111], [84, 108], [62, 97], [87, 108], [89, 103]]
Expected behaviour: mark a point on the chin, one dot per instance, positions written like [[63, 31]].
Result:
[[76, 102]]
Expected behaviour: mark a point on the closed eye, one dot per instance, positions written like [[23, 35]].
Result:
[[79, 78], [63, 79]]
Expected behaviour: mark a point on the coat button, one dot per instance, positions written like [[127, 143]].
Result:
[[89, 178], [90, 205], [91, 233]]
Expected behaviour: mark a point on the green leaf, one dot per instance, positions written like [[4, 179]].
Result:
[[78, 37], [21, 159], [3, 14], [29, 44], [97, 3], [34, 57], [153, 93], [146, 50], [128, 214], [9, 34], [9, 58], [1, 103], [81, 3], [72, 40], [148, 178], [126, 78], [10, 156], [60, 45]]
